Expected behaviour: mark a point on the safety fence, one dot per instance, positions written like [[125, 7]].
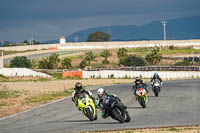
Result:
[[72, 74], [144, 74], [131, 74], [152, 68], [190, 58]]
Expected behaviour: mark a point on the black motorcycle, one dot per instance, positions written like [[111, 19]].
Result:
[[115, 109]]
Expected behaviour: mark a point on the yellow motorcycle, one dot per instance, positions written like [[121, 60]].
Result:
[[87, 107], [141, 96]]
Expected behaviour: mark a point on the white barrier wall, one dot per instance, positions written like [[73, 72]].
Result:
[[144, 74], [103, 45], [21, 72]]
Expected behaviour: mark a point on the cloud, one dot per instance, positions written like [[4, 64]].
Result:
[[48, 19]]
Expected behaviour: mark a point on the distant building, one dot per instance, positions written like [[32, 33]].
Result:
[[62, 40]]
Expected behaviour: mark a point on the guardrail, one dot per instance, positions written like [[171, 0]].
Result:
[[190, 58], [139, 68], [152, 68]]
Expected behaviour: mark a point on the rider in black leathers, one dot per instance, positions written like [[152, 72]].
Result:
[[139, 81], [78, 90], [102, 96], [156, 76]]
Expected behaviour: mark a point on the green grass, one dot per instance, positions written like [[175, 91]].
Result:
[[5, 93], [42, 79], [165, 50], [47, 96], [173, 129], [139, 50], [56, 75], [188, 128], [179, 50], [3, 77], [3, 104], [15, 52]]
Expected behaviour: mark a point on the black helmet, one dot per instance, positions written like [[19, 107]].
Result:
[[137, 79], [78, 86]]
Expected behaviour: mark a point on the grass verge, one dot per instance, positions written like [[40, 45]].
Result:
[[5, 92], [181, 129], [45, 97]]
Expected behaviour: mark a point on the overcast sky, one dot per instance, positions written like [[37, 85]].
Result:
[[49, 19]]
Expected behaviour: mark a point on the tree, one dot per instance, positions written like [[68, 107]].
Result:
[[53, 60], [89, 56], [49, 62], [20, 61], [133, 60], [26, 42], [83, 64], [66, 63], [44, 64], [154, 57], [98, 37], [33, 63], [105, 54], [122, 53]]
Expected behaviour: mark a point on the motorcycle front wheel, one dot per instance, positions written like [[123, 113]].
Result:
[[142, 102], [89, 114]]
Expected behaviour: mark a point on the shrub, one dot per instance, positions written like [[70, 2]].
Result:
[[20, 61], [182, 63], [133, 60], [98, 37], [66, 63], [154, 57], [83, 64]]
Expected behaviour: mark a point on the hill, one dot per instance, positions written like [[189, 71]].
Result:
[[177, 29]]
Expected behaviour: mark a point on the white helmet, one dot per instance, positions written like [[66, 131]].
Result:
[[100, 92]]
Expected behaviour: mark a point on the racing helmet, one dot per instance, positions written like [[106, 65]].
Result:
[[156, 75], [100, 92], [78, 86], [137, 79]]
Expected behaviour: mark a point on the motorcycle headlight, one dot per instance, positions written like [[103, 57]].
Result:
[[156, 84]]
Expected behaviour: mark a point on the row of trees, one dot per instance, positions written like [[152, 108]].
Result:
[[53, 61]]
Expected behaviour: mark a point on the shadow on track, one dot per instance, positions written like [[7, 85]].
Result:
[[102, 123], [84, 122], [134, 107], [78, 121]]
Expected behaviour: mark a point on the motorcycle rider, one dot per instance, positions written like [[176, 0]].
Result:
[[139, 81], [78, 90], [102, 96], [156, 76]]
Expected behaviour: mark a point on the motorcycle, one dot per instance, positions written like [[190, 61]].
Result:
[[87, 107], [115, 109], [156, 87], [141, 96]]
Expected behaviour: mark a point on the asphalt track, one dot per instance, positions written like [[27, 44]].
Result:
[[42, 55], [178, 104]]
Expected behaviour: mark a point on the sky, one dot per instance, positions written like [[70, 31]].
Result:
[[45, 20]]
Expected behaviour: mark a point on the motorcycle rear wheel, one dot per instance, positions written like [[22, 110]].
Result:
[[127, 117], [117, 115]]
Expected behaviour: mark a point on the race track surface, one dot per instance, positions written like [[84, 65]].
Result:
[[177, 104]]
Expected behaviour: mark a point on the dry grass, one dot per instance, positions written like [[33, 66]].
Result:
[[34, 93], [183, 129]]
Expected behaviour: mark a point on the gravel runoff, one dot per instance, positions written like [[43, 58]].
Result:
[[21, 72]]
